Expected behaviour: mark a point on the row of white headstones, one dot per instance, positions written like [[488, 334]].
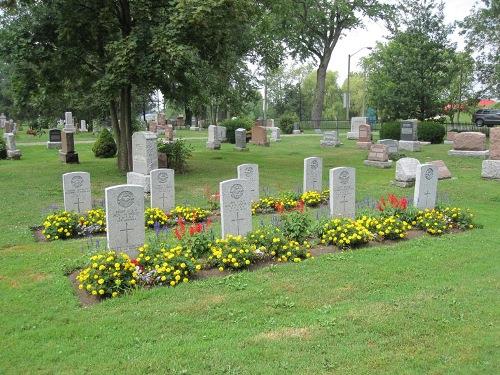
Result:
[[125, 203]]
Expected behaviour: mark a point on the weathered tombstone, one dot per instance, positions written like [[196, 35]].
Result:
[[67, 152], [222, 133], [125, 218], [240, 136], [378, 157], [343, 192], [83, 126], [470, 144], [144, 159], [235, 207], [425, 187], [77, 192], [406, 171], [259, 136], [443, 171], [450, 137], [491, 167], [392, 145], [69, 125], [355, 123], [296, 129], [313, 174], [213, 142], [330, 139], [169, 133], [152, 126], [250, 173], [9, 127], [3, 119], [10, 144], [54, 139], [270, 123], [163, 189], [365, 137], [409, 137], [275, 134]]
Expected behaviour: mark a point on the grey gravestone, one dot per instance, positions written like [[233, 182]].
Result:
[[343, 192], [392, 145], [355, 123], [163, 189], [240, 136], [69, 125], [275, 134], [54, 139], [235, 207], [83, 126], [222, 133], [125, 218], [213, 142], [9, 127], [10, 144], [67, 152], [313, 174], [330, 139], [409, 130], [144, 159], [425, 187], [3, 119], [250, 173], [406, 170], [77, 192]]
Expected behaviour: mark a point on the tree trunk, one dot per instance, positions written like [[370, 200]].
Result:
[[319, 95], [126, 128], [189, 116]]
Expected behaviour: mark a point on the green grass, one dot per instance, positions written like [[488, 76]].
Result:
[[428, 305]]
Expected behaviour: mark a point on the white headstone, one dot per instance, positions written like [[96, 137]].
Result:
[[343, 192], [162, 189], [69, 125], [313, 174], [235, 207], [222, 133], [406, 169], [330, 139], [250, 172], [125, 218], [144, 152], [213, 138], [3, 118], [77, 192], [10, 141], [83, 126], [426, 187], [355, 123], [275, 134], [240, 136]]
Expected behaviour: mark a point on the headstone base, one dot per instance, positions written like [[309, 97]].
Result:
[[352, 135], [329, 144], [134, 178], [69, 158], [14, 154], [378, 164], [424, 143], [491, 169], [413, 146], [318, 131], [296, 132], [448, 142], [70, 130], [470, 154], [364, 145], [213, 145], [195, 128], [54, 145], [241, 149], [403, 184]]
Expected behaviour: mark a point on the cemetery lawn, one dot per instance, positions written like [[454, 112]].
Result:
[[429, 305]]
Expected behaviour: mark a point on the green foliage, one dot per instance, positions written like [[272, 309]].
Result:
[[296, 226], [233, 124], [287, 121], [178, 153], [3, 149], [431, 132], [105, 145], [390, 130]]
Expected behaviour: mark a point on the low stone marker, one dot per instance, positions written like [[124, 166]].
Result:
[[392, 145], [67, 152], [259, 136], [240, 136], [77, 192], [313, 174], [409, 137], [235, 207], [54, 139], [330, 139], [296, 129], [163, 189], [425, 187], [355, 123], [125, 218], [144, 159], [250, 173], [365, 137], [275, 134], [443, 171], [491, 167], [406, 171], [378, 157], [10, 143], [470, 144], [343, 192], [450, 137], [213, 142]]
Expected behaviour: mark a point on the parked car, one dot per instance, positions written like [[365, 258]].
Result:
[[487, 117]]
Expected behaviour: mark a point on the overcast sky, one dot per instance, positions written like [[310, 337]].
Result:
[[454, 10]]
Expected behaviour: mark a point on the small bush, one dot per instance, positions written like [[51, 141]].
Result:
[[390, 130], [3, 149], [431, 132], [287, 121], [345, 233], [311, 198], [296, 226], [105, 145], [197, 239], [92, 223], [233, 252], [178, 152], [60, 225], [233, 124], [154, 216], [190, 214]]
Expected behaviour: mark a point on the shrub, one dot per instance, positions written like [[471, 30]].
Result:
[[190, 214], [108, 275], [431, 132], [266, 239], [178, 152], [105, 145], [293, 251], [197, 239], [233, 252], [60, 225], [296, 226], [155, 215], [390, 227], [94, 221], [3, 149], [287, 121], [311, 198], [461, 219], [345, 233], [434, 222], [236, 123], [390, 130]]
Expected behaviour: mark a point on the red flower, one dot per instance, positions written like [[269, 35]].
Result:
[[403, 203], [209, 222], [300, 206], [135, 262], [192, 230], [279, 207]]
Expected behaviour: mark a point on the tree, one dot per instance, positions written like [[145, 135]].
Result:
[[357, 92], [407, 77], [312, 28], [482, 31]]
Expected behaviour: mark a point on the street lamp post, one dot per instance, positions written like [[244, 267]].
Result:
[[348, 96]]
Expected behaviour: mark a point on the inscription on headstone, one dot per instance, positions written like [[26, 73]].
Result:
[[163, 189], [77, 192], [313, 174], [235, 207], [425, 186], [250, 173], [343, 192]]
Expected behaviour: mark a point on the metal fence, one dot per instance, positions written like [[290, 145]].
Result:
[[331, 125]]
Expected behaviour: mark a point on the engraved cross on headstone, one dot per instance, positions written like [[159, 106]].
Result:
[[427, 193], [344, 201], [126, 230], [237, 220], [163, 198], [78, 201]]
